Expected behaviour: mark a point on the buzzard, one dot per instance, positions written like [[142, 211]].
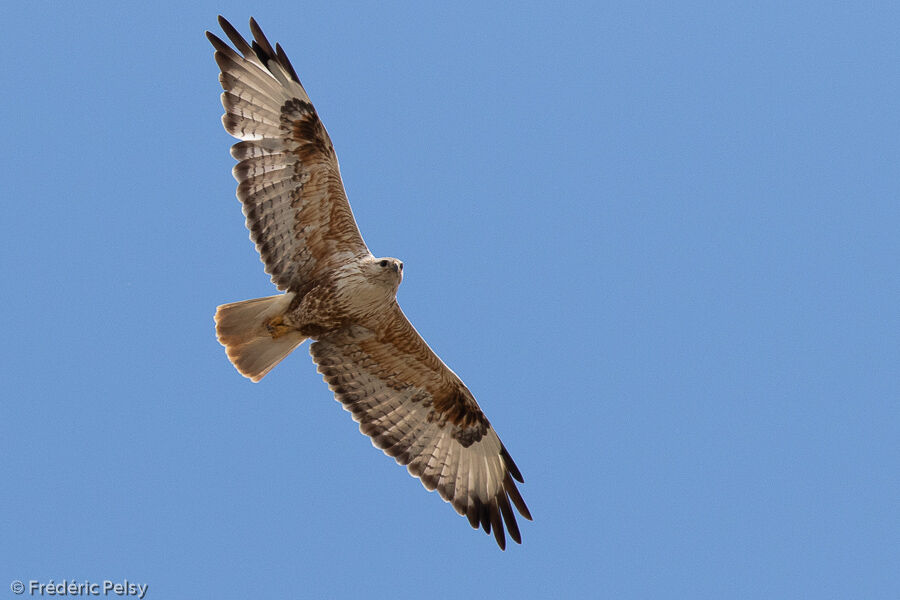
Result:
[[344, 299]]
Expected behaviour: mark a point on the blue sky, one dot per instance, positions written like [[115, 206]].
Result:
[[659, 242]]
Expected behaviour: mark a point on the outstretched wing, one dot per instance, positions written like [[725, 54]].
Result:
[[418, 411], [288, 177]]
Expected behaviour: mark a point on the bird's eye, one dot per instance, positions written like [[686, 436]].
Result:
[[383, 263], [401, 266]]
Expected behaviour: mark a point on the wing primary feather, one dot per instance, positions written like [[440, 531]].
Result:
[[497, 524], [484, 514], [219, 45], [472, 514], [285, 62], [465, 469], [268, 108], [261, 42], [516, 498], [236, 38], [241, 74], [471, 492], [509, 516], [511, 465], [487, 479], [245, 150]]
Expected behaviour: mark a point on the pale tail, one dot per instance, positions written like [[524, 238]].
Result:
[[245, 329]]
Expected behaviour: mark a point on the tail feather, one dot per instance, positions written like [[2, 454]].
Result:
[[244, 329]]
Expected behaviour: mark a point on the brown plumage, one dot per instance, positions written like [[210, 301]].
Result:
[[342, 297]]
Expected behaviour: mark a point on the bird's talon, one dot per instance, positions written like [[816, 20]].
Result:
[[277, 327]]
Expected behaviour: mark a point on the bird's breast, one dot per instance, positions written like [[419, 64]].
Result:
[[360, 297]]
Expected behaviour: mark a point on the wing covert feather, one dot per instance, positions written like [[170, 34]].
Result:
[[411, 405], [419, 412], [288, 177]]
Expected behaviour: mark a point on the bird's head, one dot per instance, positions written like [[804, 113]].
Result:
[[387, 270]]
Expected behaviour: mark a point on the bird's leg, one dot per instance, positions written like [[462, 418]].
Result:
[[277, 327]]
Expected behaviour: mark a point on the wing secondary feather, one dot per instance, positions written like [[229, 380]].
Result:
[[418, 411], [288, 177], [411, 405]]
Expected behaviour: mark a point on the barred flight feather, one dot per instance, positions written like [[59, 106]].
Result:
[[400, 418], [410, 404]]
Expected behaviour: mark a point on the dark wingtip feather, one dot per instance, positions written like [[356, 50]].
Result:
[[283, 59], [217, 43], [223, 50], [516, 497], [236, 38], [497, 524], [511, 464], [509, 517], [261, 42], [229, 29], [472, 515]]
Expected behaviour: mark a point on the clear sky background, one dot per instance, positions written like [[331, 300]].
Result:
[[660, 241]]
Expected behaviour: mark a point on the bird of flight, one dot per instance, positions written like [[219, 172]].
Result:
[[344, 299]]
